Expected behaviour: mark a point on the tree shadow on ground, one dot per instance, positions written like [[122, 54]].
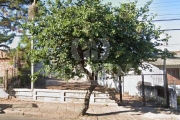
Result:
[[16, 106], [134, 110], [109, 113], [134, 104], [4, 106], [154, 109], [137, 106]]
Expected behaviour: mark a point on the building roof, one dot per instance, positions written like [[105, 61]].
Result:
[[173, 80], [169, 61]]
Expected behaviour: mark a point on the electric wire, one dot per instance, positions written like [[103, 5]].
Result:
[[175, 1]]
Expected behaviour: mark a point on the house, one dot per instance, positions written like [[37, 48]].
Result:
[[172, 69], [5, 64]]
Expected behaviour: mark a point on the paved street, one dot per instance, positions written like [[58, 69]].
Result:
[[17, 117]]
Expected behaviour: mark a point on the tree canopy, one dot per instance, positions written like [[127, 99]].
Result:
[[88, 32], [127, 32], [12, 15]]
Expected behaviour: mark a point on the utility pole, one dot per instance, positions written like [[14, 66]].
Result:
[[143, 92], [166, 91], [32, 67]]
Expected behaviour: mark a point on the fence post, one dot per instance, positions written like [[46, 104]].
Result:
[[62, 96], [120, 89], [143, 92], [34, 92], [92, 99], [166, 91], [6, 80]]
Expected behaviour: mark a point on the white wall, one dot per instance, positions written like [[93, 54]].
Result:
[[130, 82], [62, 96]]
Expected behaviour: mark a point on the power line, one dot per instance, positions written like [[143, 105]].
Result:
[[170, 8], [168, 14], [155, 11], [161, 20], [157, 18], [161, 2], [166, 20], [173, 44], [165, 6], [170, 30]]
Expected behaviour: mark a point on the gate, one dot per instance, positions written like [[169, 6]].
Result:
[[143, 90], [138, 90], [152, 88]]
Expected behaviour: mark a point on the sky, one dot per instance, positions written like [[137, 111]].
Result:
[[165, 9]]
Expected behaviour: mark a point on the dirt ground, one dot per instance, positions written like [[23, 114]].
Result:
[[114, 95], [78, 86]]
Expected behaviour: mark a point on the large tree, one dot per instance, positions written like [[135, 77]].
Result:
[[71, 35], [12, 14]]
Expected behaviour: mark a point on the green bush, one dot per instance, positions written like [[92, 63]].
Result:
[[1, 80]]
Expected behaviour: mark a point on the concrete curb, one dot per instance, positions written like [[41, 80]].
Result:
[[17, 112], [13, 112], [37, 114]]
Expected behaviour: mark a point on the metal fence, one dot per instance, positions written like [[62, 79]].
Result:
[[139, 90], [152, 89]]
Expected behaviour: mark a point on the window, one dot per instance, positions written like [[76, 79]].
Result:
[[173, 72]]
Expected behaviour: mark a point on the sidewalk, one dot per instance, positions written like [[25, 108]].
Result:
[[69, 111]]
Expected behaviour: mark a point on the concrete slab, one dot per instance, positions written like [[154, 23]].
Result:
[[3, 94], [70, 107], [35, 109], [19, 105], [62, 107], [97, 112]]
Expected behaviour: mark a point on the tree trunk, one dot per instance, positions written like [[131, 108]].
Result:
[[120, 89], [87, 97]]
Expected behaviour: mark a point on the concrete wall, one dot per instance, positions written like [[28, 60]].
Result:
[[130, 84], [63, 96]]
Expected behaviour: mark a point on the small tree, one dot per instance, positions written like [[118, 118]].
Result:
[[71, 35]]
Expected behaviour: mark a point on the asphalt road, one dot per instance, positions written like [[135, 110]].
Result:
[[18, 117]]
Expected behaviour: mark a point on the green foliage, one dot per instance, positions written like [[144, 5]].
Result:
[[128, 30], [21, 59], [1, 80], [12, 15]]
